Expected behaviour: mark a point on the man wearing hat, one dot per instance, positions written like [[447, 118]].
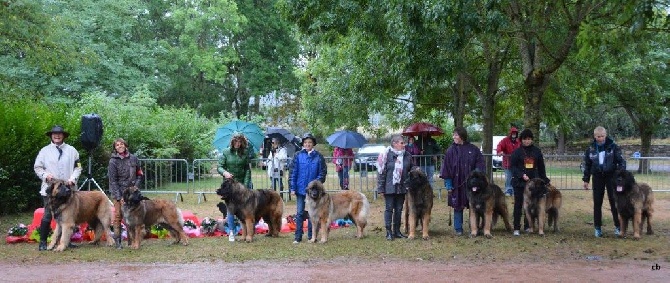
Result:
[[56, 161], [308, 165]]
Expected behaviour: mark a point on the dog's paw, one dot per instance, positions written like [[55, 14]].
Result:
[[488, 236], [311, 241], [426, 238], [222, 207]]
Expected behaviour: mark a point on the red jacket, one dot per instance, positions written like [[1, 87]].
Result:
[[506, 146]]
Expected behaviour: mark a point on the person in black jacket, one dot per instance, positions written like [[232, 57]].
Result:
[[526, 162], [601, 160]]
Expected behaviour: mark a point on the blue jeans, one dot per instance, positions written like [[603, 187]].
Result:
[[430, 171], [344, 177], [508, 182], [231, 222], [300, 216]]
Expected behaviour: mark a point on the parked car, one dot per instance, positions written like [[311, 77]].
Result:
[[497, 160], [366, 157]]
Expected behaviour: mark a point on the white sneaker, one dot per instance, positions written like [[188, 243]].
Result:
[[231, 237], [516, 233]]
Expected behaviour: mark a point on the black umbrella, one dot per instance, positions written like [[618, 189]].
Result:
[[280, 133]]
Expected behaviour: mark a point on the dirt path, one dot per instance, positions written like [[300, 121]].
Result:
[[392, 271]]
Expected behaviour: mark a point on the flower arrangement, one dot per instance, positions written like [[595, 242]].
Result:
[[19, 230], [17, 234], [191, 229], [159, 231], [208, 226], [190, 224]]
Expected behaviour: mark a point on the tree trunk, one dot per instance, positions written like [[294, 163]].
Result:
[[560, 142], [536, 84], [645, 149]]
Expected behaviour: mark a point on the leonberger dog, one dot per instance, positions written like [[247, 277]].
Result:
[[487, 203], [324, 208], [140, 213], [634, 201], [419, 203], [250, 205], [541, 201], [71, 208]]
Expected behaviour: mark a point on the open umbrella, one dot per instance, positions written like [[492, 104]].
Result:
[[346, 139], [250, 130], [280, 133], [422, 128]]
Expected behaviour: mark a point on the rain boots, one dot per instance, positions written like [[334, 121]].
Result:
[[389, 234], [44, 233]]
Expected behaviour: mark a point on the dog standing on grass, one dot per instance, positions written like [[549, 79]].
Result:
[[71, 207], [140, 213], [487, 203], [634, 201], [324, 208], [419, 202], [541, 201]]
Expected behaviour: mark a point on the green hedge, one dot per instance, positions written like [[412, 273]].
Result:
[[151, 131]]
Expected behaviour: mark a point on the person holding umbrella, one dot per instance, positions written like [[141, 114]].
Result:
[[275, 164], [342, 158], [234, 164], [461, 158]]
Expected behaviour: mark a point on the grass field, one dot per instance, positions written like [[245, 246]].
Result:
[[574, 241]]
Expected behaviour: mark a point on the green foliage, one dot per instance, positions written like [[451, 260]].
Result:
[[152, 132]]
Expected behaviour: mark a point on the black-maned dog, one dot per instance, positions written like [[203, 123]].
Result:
[[541, 201], [140, 213], [71, 207], [634, 201], [324, 208], [250, 205], [419, 202], [487, 202]]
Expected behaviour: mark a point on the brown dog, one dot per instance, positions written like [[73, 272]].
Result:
[[541, 201], [324, 208], [140, 213], [250, 205], [72, 207], [419, 202], [634, 201], [487, 202]]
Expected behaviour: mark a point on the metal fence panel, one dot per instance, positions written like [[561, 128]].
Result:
[[176, 176], [165, 176]]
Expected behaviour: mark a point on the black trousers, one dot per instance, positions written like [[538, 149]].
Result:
[[602, 183]]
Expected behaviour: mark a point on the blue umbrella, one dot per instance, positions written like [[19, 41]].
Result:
[[250, 130], [346, 139]]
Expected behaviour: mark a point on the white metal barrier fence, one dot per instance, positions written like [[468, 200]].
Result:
[[177, 176]]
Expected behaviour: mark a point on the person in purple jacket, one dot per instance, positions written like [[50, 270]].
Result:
[[461, 158]]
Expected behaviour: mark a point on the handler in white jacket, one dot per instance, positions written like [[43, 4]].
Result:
[[60, 161], [276, 164]]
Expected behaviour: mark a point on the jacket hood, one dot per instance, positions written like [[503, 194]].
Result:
[[513, 130]]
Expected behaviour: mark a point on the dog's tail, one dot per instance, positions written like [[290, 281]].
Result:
[[180, 217], [366, 205]]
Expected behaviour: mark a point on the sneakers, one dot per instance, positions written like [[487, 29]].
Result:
[[459, 233], [527, 230], [516, 233], [296, 242], [617, 231], [231, 237], [598, 233]]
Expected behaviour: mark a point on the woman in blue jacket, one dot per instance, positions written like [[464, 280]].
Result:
[[308, 165]]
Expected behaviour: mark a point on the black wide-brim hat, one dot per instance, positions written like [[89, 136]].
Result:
[[58, 129]]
